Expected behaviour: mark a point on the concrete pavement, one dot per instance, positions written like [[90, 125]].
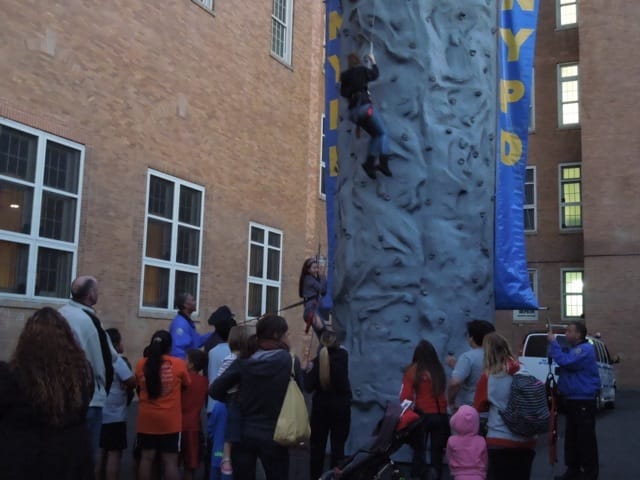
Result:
[[618, 434]]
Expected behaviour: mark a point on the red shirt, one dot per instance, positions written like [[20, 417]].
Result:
[[193, 398], [422, 396], [162, 415]]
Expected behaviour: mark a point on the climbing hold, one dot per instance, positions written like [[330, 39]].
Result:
[[428, 148], [427, 201], [472, 53], [448, 131], [478, 93], [461, 15], [462, 143], [405, 137], [432, 78], [476, 154], [479, 183], [461, 161], [412, 45], [452, 101]]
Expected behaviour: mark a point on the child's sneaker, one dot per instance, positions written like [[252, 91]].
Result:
[[225, 467]]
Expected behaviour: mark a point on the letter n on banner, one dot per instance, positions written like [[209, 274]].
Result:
[[517, 22]]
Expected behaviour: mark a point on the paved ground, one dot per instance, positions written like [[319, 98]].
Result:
[[618, 440]]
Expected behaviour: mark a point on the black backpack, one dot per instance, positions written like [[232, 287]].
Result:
[[527, 413]]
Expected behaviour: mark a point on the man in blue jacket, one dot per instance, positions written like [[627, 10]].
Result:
[[578, 383], [184, 335]]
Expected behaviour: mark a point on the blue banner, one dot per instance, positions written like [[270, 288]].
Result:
[[330, 147], [517, 22]]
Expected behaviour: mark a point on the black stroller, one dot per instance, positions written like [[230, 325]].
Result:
[[373, 461]]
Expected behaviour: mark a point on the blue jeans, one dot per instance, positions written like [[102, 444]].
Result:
[[94, 425], [365, 117]]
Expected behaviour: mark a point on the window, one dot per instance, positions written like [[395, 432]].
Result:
[[529, 207], [323, 163], [208, 4], [281, 29], [568, 95], [40, 192], [566, 13], [572, 293], [570, 197], [263, 276], [173, 239], [528, 314], [532, 103]]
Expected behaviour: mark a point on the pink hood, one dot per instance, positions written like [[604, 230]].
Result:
[[465, 421], [466, 450]]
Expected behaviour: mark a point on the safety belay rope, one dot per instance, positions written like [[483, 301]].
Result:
[[552, 397]]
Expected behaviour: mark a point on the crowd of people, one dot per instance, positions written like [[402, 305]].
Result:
[[65, 391]]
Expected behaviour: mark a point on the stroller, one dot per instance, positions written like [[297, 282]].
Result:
[[373, 462]]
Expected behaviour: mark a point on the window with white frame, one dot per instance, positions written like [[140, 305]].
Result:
[[282, 29], [532, 103], [572, 293], [529, 314], [568, 95], [40, 193], [323, 163], [264, 270], [529, 207], [566, 13], [173, 240], [570, 196]]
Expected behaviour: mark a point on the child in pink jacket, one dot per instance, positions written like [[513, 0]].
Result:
[[466, 450]]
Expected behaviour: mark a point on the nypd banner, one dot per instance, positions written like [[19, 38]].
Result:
[[517, 21], [330, 128]]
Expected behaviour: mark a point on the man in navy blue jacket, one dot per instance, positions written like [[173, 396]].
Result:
[[578, 383]]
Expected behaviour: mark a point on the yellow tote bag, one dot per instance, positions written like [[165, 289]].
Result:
[[292, 427]]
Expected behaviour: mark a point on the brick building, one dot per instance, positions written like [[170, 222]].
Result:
[[162, 147], [583, 229]]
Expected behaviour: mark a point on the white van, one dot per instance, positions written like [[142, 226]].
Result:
[[535, 360]]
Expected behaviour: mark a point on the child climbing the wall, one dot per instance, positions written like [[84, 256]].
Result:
[[355, 87], [312, 285]]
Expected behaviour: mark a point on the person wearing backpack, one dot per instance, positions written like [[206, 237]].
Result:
[[510, 455], [578, 383]]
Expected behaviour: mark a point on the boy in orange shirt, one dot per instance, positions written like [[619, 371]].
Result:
[[193, 400]]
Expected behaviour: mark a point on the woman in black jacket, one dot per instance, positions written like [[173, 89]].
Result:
[[328, 379], [263, 379]]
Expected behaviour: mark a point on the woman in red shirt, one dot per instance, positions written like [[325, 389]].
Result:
[[160, 378], [424, 383]]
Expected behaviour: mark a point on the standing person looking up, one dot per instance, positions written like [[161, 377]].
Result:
[[424, 384], [45, 391], [510, 455], [578, 384], [312, 285], [86, 326], [183, 330], [161, 379], [327, 378], [468, 368], [113, 436], [263, 379], [355, 87]]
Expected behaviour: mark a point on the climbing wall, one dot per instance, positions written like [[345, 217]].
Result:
[[414, 253]]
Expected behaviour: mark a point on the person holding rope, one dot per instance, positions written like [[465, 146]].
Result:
[[355, 87], [327, 377], [311, 287]]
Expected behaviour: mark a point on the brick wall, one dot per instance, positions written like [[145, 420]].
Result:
[[168, 86]]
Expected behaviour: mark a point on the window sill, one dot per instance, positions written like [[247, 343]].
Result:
[[281, 61], [31, 303], [569, 231], [574, 126], [209, 11], [561, 28], [161, 314]]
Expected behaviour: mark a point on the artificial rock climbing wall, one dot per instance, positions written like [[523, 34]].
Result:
[[414, 253]]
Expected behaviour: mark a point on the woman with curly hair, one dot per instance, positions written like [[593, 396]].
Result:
[[45, 390]]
